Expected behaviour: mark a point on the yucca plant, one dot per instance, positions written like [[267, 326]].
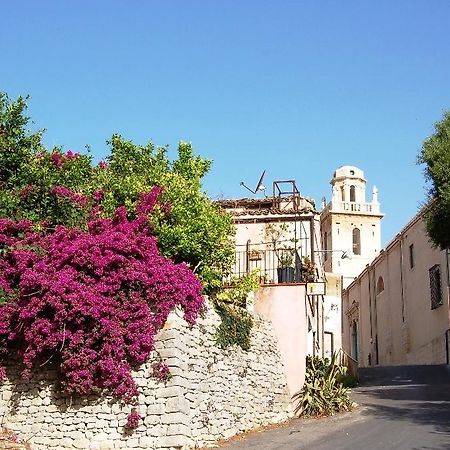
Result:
[[323, 393]]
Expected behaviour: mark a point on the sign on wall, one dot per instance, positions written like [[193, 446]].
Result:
[[317, 288]]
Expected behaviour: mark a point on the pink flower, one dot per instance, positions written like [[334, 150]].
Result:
[[161, 371], [61, 191], [26, 191], [133, 419], [57, 159], [94, 298], [102, 164], [72, 155]]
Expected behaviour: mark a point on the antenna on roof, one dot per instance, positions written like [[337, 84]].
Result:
[[259, 186]]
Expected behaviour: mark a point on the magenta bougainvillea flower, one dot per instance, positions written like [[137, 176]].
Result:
[[89, 301], [161, 371], [133, 419]]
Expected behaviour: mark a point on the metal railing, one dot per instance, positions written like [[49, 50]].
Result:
[[344, 359], [275, 266]]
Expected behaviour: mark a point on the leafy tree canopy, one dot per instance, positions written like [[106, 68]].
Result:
[[188, 226], [435, 154]]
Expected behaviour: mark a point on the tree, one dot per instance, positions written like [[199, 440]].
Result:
[[435, 154], [52, 187], [190, 228]]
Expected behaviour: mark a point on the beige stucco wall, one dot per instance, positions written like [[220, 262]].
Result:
[[332, 314], [284, 306], [341, 238], [400, 317]]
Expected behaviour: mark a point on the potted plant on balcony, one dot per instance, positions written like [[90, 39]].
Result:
[[308, 271], [285, 270]]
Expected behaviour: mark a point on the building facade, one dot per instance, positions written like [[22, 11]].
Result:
[[350, 225], [396, 312]]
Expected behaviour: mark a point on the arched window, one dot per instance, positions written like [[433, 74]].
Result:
[[342, 194], [325, 245], [380, 285], [352, 194], [356, 241]]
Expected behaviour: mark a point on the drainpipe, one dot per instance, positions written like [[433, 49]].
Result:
[[312, 236], [331, 340], [323, 327]]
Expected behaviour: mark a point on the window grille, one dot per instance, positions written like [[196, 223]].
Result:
[[435, 286]]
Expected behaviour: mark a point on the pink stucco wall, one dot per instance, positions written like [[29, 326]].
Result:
[[284, 306]]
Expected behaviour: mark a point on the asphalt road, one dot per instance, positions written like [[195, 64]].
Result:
[[403, 409]]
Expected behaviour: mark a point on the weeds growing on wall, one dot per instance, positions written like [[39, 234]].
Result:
[[235, 326], [236, 323], [323, 393]]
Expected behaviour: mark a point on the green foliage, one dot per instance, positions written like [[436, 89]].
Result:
[[192, 229], [237, 290], [435, 154], [309, 271], [236, 323], [235, 326], [348, 380], [16, 143], [196, 230], [323, 393], [28, 172]]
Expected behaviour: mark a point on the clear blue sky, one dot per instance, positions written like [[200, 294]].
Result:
[[297, 88]]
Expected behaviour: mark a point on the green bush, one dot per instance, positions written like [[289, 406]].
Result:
[[230, 303], [348, 380], [323, 393]]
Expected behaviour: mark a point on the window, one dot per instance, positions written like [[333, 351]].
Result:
[[343, 193], [435, 286], [411, 256], [352, 194], [380, 285], [356, 241], [325, 245]]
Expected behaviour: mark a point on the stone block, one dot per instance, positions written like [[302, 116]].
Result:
[[156, 409], [81, 443], [178, 429], [147, 442], [178, 404], [175, 418], [173, 441], [170, 391]]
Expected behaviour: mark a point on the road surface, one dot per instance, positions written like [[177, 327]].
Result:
[[404, 408]]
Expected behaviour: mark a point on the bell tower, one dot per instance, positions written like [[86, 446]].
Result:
[[350, 225]]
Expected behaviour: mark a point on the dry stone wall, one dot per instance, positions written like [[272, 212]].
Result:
[[214, 393]]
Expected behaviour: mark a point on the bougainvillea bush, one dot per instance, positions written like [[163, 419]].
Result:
[[196, 232], [89, 301]]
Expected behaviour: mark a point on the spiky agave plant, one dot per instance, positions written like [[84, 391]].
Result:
[[323, 393]]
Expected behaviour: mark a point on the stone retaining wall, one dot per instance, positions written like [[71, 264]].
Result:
[[213, 394]]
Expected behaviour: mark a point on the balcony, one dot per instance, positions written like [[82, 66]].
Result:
[[275, 266], [353, 207]]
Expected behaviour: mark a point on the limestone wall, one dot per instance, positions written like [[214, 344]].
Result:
[[213, 393]]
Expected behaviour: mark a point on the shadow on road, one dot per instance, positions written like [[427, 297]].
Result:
[[419, 396]]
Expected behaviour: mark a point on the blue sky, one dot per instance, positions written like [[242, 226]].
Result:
[[298, 88]]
